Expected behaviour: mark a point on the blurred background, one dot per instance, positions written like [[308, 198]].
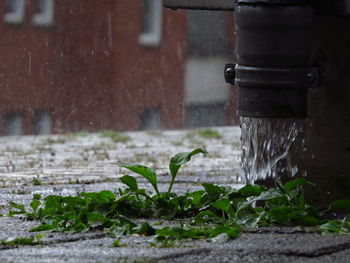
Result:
[[87, 65]]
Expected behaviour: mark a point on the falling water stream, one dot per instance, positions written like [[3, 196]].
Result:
[[266, 144]]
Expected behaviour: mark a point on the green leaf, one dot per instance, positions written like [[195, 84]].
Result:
[[35, 202], [332, 226], [205, 217], [220, 238], [295, 183], [301, 201], [222, 204], [196, 197], [122, 227], [336, 226], [250, 190], [18, 206], [37, 196], [42, 228], [19, 209], [249, 221], [24, 241], [144, 171], [231, 231], [267, 195], [178, 160], [146, 229], [242, 205], [164, 208], [304, 219], [212, 189], [116, 243], [96, 218], [279, 215], [130, 182], [340, 206], [104, 196]]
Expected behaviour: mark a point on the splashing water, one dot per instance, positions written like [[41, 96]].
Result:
[[266, 144]]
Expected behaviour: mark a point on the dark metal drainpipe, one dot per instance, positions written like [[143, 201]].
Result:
[[273, 49]]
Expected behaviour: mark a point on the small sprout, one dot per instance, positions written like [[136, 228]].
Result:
[[130, 182], [36, 180], [209, 134], [116, 243], [24, 241], [178, 160], [145, 229], [144, 171], [155, 133], [80, 134], [117, 137], [55, 141], [194, 135]]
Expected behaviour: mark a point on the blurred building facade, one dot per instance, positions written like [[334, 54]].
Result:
[[209, 101], [73, 65]]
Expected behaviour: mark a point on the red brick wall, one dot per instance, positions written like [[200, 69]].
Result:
[[89, 74], [25, 68]]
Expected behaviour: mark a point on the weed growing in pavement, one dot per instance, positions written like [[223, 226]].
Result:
[[215, 213], [36, 180], [155, 133], [117, 137], [203, 133], [25, 241], [209, 134], [55, 141]]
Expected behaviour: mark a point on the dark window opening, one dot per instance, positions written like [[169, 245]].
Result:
[[11, 6], [148, 16], [12, 124], [150, 119], [42, 122], [40, 6]]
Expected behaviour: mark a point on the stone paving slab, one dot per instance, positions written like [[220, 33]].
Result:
[[88, 158], [65, 165], [248, 248]]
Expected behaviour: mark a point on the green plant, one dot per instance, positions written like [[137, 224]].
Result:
[[156, 133], [215, 213], [36, 180], [24, 241], [175, 164], [115, 136], [55, 141], [209, 134]]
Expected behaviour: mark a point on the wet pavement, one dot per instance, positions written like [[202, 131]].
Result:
[[67, 164]]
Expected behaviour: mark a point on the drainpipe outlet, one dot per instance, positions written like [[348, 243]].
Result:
[[273, 49]]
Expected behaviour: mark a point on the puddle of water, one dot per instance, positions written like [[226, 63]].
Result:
[[266, 144]]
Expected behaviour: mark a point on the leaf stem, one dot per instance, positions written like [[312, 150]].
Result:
[[171, 185], [157, 191]]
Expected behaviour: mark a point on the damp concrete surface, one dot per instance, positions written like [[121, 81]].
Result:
[[72, 163]]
